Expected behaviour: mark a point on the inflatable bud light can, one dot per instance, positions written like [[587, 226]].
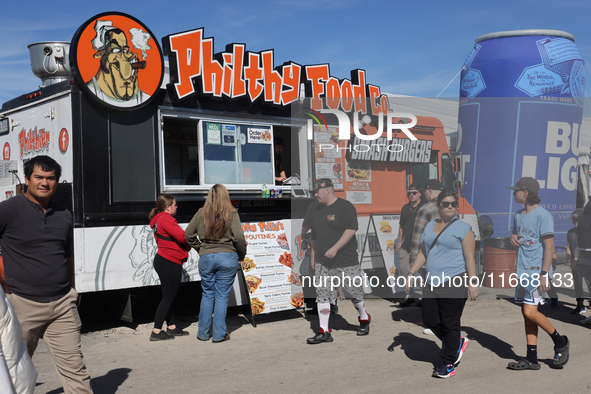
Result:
[[520, 113]]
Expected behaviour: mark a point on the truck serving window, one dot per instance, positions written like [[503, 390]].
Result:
[[199, 151], [237, 154]]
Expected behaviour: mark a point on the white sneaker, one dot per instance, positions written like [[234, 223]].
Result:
[[427, 331], [586, 321]]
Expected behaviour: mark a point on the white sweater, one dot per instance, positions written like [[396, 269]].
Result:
[[17, 372]]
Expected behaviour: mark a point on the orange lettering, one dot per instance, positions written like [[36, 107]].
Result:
[[227, 90], [271, 79], [374, 93], [291, 79], [238, 84], [299, 243], [333, 93], [253, 74], [187, 60], [212, 70], [346, 95], [316, 75], [358, 78], [385, 104]]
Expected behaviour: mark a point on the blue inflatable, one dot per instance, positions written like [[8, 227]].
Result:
[[521, 108]]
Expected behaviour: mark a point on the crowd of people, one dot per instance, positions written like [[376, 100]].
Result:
[[41, 301], [434, 243], [38, 299]]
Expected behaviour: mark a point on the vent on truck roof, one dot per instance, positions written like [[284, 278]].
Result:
[[50, 61]]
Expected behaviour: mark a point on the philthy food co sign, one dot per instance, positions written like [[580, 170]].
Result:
[[117, 61]]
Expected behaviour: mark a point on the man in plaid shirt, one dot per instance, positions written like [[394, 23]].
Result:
[[427, 213]]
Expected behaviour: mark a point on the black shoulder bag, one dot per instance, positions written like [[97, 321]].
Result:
[[441, 232]]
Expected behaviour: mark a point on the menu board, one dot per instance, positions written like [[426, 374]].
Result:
[[328, 155], [386, 230], [268, 268], [387, 234]]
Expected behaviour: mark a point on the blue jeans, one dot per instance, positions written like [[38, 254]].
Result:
[[217, 271]]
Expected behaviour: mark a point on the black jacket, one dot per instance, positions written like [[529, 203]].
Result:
[[584, 228]]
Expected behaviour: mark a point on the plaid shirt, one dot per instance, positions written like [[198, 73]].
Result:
[[427, 213]]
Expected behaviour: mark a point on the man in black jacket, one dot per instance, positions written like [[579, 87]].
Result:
[[584, 244]]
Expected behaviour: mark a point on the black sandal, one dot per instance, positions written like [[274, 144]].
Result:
[[523, 364], [561, 355]]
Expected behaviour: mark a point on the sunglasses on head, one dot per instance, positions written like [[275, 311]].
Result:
[[445, 204], [413, 193]]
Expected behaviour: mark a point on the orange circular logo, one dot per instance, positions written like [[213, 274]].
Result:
[[64, 140], [117, 60], [6, 151]]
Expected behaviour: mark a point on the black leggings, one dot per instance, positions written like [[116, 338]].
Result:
[[170, 274]]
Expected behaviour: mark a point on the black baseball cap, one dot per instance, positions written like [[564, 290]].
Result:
[[526, 183], [434, 184], [322, 184], [414, 186]]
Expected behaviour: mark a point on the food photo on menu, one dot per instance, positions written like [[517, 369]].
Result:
[[253, 283], [358, 171], [297, 300], [286, 260], [337, 170], [389, 245], [248, 264], [294, 278], [318, 153], [258, 306], [385, 227], [282, 241], [334, 137]]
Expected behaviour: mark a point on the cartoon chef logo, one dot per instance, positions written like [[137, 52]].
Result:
[[117, 60]]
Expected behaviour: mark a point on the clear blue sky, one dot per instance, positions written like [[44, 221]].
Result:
[[410, 48]]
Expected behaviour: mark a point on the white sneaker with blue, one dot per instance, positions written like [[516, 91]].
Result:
[[463, 345]]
